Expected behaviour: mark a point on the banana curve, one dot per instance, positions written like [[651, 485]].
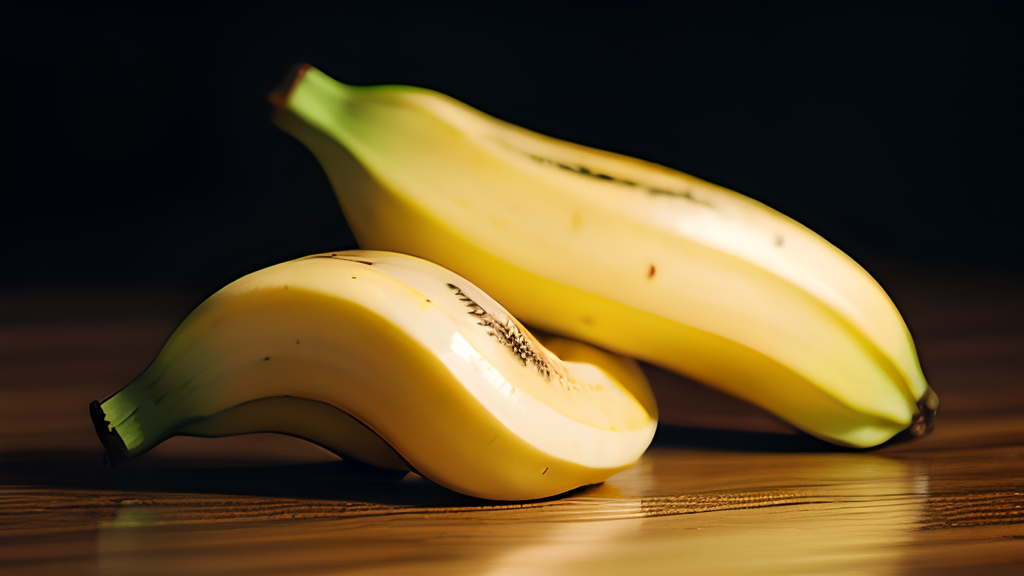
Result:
[[318, 422], [477, 431], [382, 216], [571, 311]]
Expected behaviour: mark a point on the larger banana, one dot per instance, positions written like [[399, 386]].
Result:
[[625, 254], [391, 360]]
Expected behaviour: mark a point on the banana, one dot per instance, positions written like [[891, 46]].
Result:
[[394, 361], [627, 255]]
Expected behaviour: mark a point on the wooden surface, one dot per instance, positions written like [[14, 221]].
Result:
[[701, 501]]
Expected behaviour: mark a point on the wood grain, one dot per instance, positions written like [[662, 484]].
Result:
[[726, 489]]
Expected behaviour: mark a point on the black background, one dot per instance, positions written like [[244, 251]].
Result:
[[143, 154]]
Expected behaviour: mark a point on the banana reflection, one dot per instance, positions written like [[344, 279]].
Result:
[[833, 513], [593, 523], [677, 512], [821, 514]]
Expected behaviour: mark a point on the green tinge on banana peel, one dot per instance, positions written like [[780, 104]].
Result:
[[621, 253], [399, 363]]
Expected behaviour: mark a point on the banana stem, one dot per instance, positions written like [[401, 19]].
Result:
[[924, 419], [117, 451], [280, 95]]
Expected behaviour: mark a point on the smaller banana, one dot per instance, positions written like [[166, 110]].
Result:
[[394, 361]]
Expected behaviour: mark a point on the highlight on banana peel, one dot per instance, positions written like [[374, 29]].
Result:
[[620, 253], [399, 363]]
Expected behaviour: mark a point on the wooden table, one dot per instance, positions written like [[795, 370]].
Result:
[[701, 501]]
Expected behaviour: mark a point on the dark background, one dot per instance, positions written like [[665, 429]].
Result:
[[143, 153]]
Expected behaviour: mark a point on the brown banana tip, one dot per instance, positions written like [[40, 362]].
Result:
[[279, 96], [924, 419], [117, 452]]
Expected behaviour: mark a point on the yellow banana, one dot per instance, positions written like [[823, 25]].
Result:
[[394, 361], [621, 253]]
